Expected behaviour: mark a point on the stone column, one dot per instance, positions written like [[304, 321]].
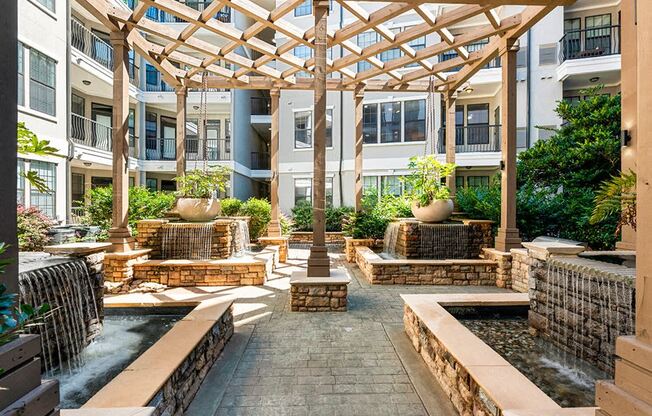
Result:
[[119, 234], [318, 262], [274, 228], [631, 392], [451, 132], [508, 236], [358, 97], [182, 93]]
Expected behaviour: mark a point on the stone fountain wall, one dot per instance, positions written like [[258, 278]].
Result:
[[409, 244], [580, 305], [150, 236]]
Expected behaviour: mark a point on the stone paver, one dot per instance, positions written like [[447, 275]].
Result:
[[327, 363]]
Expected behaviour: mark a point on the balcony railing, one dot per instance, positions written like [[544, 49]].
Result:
[[260, 160], [470, 139], [90, 133], [260, 106], [224, 15], [215, 150], [589, 43], [97, 49], [158, 87]]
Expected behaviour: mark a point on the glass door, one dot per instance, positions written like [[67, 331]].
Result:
[[572, 38], [598, 35]]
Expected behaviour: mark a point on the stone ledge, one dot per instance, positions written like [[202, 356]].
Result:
[[77, 249], [337, 277], [542, 250], [122, 411], [126, 255]]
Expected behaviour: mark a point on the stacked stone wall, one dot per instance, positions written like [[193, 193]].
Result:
[[503, 266], [351, 243], [200, 273], [409, 245], [305, 237], [318, 297]]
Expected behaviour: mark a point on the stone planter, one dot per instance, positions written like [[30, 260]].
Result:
[[198, 209], [439, 210], [23, 392]]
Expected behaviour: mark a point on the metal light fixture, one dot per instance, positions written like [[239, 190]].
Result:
[[86, 82], [625, 138], [594, 79], [195, 107]]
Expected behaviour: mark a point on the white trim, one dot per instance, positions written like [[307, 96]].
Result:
[[44, 9], [586, 66], [35, 113]]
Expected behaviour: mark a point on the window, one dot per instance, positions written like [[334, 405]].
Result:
[[390, 185], [303, 52], [42, 92], [459, 181], [415, 120], [598, 34], [302, 190], [369, 184], [151, 184], [390, 122], [303, 129], [393, 53], [48, 4], [77, 105], [303, 126], [364, 40], [477, 181], [370, 123], [99, 181], [20, 191], [168, 185], [416, 44], [521, 57], [329, 191], [304, 9], [77, 189], [132, 123], [44, 200], [572, 37], [21, 74], [573, 100], [477, 120]]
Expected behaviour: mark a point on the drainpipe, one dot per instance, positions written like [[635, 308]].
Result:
[[71, 145], [339, 174], [528, 89]]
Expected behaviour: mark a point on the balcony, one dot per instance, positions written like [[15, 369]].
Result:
[[472, 139], [87, 132], [261, 106], [224, 15], [212, 150], [260, 160], [590, 43], [91, 45]]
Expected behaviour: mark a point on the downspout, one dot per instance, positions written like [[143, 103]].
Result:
[[71, 145], [339, 174], [528, 89]]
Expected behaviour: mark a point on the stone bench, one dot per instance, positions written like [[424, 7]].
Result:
[[319, 294]]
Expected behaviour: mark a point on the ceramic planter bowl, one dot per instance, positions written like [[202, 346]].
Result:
[[198, 209], [439, 210]]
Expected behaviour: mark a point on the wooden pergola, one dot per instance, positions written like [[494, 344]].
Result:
[[186, 61]]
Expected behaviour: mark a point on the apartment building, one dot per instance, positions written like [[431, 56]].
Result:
[[65, 95]]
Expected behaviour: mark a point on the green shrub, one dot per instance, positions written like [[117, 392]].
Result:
[[260, 212], [33, 226], [199, 183], [143, 204], [392, 206], [302, 216], [286, 223], [365, 224], [231, 207], [334, 217]]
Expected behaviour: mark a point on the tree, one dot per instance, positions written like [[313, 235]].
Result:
[[30, 144]]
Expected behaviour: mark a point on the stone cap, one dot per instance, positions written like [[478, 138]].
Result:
[[73, 249], [111, 411], [337, 277], [570, 411], [542, 250], [279, 238], [131, 254]]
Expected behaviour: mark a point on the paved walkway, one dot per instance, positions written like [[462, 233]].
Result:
[[288, 363]]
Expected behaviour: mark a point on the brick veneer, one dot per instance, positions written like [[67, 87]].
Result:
[[332, 237], [200, 273], [425, 272], [319, 294]]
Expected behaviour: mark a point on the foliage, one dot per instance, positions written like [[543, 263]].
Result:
[[365, 224], [616, 196], [392, 206], [482, 202], [30, 144], [260, 211], [286, 223], [14, 320], [199, 183], [424, 184], [302, 216], [231, 207], [143, 204], [334, 217], [33, 228]]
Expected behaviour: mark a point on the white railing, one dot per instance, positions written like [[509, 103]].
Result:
[[90, 133]]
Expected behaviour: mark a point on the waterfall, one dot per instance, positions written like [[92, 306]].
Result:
[[444, 241], [66, 285], [239, 238], [587, 307], [391, 237], [187, 240]]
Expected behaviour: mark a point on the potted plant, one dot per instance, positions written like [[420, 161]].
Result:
[[196, 192], [430, 197]]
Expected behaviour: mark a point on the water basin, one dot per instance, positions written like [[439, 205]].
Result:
[[569, 381]]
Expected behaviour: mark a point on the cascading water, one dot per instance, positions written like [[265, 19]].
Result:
[[239, 238], [391, 237], [444, 241], [186, 240], [66, 285], [587, 308]]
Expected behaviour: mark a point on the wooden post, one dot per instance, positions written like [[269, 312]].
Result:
[[358, 97], [119, 232], [451, 135], [182, 94], [274, 228], [631, 392], [508, 235], [318, 262]]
